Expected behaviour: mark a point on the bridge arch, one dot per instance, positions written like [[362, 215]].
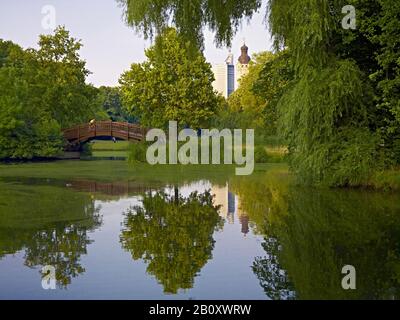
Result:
[[83, 133]]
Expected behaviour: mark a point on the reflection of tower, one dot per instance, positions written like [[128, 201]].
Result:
[[242, 67], [244, 221], [231, 207], [221, 199], [225, 199], [243, 218]]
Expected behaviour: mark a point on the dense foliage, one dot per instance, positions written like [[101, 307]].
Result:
[[251, 106], [111, 100], [338, 101], [174, 84], [332, 116], [41, 92], [272, 81]]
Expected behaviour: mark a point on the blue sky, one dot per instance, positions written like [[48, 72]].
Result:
[[109, 45]]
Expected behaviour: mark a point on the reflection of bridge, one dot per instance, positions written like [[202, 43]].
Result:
[[89, 131], [110, 188]]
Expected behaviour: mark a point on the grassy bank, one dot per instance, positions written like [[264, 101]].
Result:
[[385, 180], [109, 149], [122, 170], [108, 171], [265, 152], [276, 153], [262, 153]]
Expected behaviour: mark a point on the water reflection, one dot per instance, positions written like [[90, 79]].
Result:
[[173, 235], [247, 237], [230, 206], [311, 234], [50, 224], [273, 278]]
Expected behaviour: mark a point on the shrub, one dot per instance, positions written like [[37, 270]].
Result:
[[260, 155], [137, 152], [86, 149]]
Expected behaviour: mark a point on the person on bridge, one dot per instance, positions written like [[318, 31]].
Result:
[[92, 123]]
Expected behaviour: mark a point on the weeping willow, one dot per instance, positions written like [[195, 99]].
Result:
[[340, 112], [189, 17], [324, 114]]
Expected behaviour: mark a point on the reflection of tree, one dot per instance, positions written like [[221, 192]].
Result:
[[312, 234], [174, 235], [62, 247], [262, 198], [272, 277], [51, 224], [325, 230]]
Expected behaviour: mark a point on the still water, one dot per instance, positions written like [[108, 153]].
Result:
[[253, 237]]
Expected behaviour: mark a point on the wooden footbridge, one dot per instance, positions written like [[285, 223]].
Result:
[[104, 129]]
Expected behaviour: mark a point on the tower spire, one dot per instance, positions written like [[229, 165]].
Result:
[[244, 57]]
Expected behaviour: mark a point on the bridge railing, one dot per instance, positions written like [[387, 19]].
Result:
[[121, 130]]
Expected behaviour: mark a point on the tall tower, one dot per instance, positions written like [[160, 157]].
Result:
[[225, 76], [242, 67], [230, 74]]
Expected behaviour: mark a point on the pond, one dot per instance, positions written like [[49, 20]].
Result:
[[213, 237]]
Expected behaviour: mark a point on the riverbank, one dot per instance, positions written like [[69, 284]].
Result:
[[118, 170], [388, 180], [122, 170], [102, 170]]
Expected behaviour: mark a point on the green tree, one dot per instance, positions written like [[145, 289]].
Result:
[[339, 115], [274, 78], [173, 84], [26, 128], [173, 235], [111, 101], [244, 100], [340, 93], [379, 28], [41, 92], [324, 114], [63, 73]]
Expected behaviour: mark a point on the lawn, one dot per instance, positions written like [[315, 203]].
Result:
[[123, 171], [99, 145], [105, 149]]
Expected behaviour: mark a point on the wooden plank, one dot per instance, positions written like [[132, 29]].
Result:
[[121, 130]]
